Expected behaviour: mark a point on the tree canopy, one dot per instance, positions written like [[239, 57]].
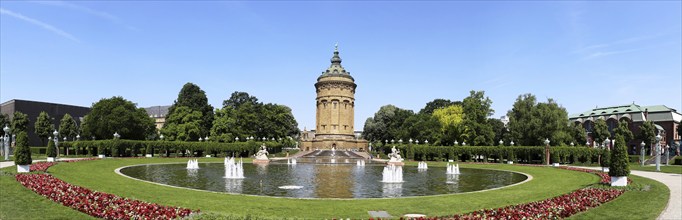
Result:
[[118, 115], [647, 132], [183, 125], [530, 122], [386, 123], [450, 119], [192, 97], [436, 104], [243, 116], [43, 126], [476, 112]]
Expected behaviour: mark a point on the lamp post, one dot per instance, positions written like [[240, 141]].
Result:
[[464, 143], [546, 151], [206, 138], [411, 140], [6, 140], [642, 152], [116, 135], [658, 152], [456, 143], [511, 143], [400, 141], [56, 142], [200, 139], [501, 142], [417, 141], [78, 137], [426, 142], [236, 139]]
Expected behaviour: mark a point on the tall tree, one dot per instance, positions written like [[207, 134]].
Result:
[[579, 134], [421, 127], [476, 112], [22, 152], [67, 127], [386, 123], [193, 97], [623, 129], [647, 132], [553, 123], [619, 158], [522, 125], [43, 127], [20, 123], [239, 98], [451, 127], [600, 131], [118, 115], [501, 132]]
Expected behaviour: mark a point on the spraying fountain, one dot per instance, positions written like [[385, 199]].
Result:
[[422, 166], [291, 161], [233, 169], [392, 174], [452, 169], [360, 163], [193, 164]]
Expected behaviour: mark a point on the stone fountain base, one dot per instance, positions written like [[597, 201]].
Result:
[[261, 161]]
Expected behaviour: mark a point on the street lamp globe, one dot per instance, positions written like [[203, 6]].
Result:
[[511, 143], [116, 135], [417, 141], [501, 142], [572, 144], [6, 129], [411, 140], [201, 139], [55, 133], [400, 141], [161, 137], [64, 138], [236, 139], [456, 143], [464, 143], [78, 137], [546, 141], [426, 141], [206, 138], [392, 141]]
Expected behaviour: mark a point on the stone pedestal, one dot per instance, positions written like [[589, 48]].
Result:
[[101, 156], [261, 161], [23, 168], [51, 159], [619, 181], [555, 164], [147, 155]]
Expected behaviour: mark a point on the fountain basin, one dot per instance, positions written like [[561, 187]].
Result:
[[323, 180]]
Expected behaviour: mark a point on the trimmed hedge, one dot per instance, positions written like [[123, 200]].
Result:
[[134, 148], [51, 151], [678, 161], [619, 158], [22, 152], [518, 154]]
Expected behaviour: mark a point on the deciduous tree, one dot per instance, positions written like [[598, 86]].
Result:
[[476, 112], [193, 97], [118, 115]]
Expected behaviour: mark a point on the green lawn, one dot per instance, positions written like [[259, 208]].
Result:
[[635, 204], [98, 175], [17, 202]]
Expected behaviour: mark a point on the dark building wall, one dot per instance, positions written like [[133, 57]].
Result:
[[33, 109]]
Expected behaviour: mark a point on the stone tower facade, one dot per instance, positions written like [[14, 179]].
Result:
[[335, 105]]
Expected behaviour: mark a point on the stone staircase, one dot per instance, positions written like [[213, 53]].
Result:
[[652, 160]]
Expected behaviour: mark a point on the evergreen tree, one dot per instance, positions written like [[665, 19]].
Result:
[[22, 152], [579, 134], [624, 130], [619, 158], [43, 127], [51, 150], [605, 158]]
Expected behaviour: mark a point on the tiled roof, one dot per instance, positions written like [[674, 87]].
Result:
[[157, 111], [632, 108]]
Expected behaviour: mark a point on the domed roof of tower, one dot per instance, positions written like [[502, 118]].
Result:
[[335, 69]]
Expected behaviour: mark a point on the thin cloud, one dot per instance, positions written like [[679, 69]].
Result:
[[44, 25], [609, 53], [101, 14]]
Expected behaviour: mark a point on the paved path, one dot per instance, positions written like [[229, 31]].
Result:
[[673, 211]]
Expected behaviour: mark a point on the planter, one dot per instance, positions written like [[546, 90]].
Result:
[[51, 159], [101, 156], [619, 181], [208, 155], [23, 168], [147, 155], [510, 162], [605, 169], [555, 164]]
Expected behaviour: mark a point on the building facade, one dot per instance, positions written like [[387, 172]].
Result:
[[33, 109], [158, 113], [665, 119], [335, 108]]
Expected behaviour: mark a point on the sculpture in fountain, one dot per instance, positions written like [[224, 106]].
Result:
[[452, 169], [395, 158], [193, 164], [233, 169], [262, 156], [392, 174]]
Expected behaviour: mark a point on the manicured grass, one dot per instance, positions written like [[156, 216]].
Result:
[[17, 202], [635, 204], [665, 169], [99, 175]]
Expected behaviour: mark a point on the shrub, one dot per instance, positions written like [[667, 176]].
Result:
[[619, 165], [605, 158], [22, 152], [554, 157], [51, 151], [149, 149]]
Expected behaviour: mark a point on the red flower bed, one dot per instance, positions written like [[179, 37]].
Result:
[[554, 208], [97, 204], [41, 166]]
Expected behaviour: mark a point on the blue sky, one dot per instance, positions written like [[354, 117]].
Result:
[[582, 54]]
